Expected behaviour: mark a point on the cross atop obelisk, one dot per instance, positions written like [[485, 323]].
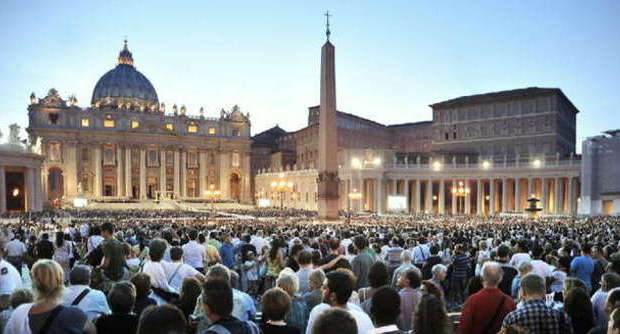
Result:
[[328, 136], [327, 32]]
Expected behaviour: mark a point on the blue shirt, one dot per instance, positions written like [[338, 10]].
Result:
[[582, 267], [227, 253]]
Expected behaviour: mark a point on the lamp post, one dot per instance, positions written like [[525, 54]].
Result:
[[212, 193], [282, 186], [460, 191]]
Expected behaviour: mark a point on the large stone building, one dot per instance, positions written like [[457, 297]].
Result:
[[125, 146], [600, 193]]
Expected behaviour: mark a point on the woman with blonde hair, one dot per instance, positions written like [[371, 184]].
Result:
[[47, 314], [298, 314]]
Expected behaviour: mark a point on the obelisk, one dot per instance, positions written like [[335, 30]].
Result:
[[328, 135]]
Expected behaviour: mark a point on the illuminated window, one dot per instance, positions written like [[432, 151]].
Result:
[[192, 128], [135, 124], [169, 126], [211, 131], [109, 123], [85, 122]]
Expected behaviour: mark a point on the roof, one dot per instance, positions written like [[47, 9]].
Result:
[[410, 124], [502, 95], [269, 136]]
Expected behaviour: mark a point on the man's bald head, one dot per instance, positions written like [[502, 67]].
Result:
[[492, 273]]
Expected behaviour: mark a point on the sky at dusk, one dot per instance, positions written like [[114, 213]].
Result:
[[393, 58]]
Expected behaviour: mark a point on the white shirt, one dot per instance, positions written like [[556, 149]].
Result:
[[259, 243], [94, 304], [541, 268], [15, 248], [10, 279], [84, 229], [420, 253], [194, 254], [155, 270], [519, 258], [184, 270], [93, 242], [364, 324]]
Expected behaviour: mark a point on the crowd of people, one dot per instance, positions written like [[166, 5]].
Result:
[[177, 272]]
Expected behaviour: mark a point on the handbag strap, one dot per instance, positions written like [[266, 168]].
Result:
[[175, 272], [81, 296], [497, 313], [50, 319]]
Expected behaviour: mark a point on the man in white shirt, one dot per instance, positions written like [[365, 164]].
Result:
[[194, 253], [92, 301], [540, 267], [258, 241], [421, 252], [521, 255], [176, 271], [15, 250], [337, 290], [10, 279]]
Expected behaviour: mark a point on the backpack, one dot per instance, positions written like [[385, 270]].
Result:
[[250, 328]]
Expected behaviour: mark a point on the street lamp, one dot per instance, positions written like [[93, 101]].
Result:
[[212, 193], [486, 164], [460, 191], [282, 186]]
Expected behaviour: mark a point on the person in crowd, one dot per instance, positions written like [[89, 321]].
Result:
[[433, 260], [410, 295], [534, 315], [393, 254], [431, 316], [600, 266], [509, 272], [15, 252], [10, 278], [275, 264], [421, 252], [582, 266], [227, 252], [211, 250], [92, 301], [378, 276], [334, 253], [176, 271], [315, 295], [521, 253], [18, 297], [121, 298], [439, 273], [559, 274], [613, 326], [217, 303], [113, 263], [188, 294], [460, 269], [164, 319], [335, 321], [404, 266], [194, 253], [45, 248], [305, 269], [47, 314], [337, 290], [539, 266], [275, 304], [250, 275], [579, 308], [63, 253], [362, 262], [609, 281], [525, 267], [385, 309], [484, 254], [484, 311], [297, 315], [142, 284], [155, 270]]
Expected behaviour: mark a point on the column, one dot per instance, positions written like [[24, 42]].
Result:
[[504, 195], [429, 196], [44, 183], [2, 190], [571, 196], [177, 176], [558, 196], [545, 196], [491, 196], [480, 197], [379, 195], [530, 187], [183, 174], [517, 195], [128, 185], [29, 181], [162, 173], [468, 198], [441, 206], [98, 182], [71, 171], [406, 189], [394, 190], [418, 196], [454, 199], [119, 171], [224, 172], [202, 173], [38, 199], [142, 174]]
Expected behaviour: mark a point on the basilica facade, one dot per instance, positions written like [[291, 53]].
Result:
[[126, 146]]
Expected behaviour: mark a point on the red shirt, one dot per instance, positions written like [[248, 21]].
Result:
[[481, 307]]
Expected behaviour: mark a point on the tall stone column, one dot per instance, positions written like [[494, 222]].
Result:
[[518, 207], [119, 171], [406, 189], [418, 196], [183, 173], [530, 187], [177, 175], [162, 172], [468, 198], [44, 184], [246, 196], [98, 183], [2, 190], [29, 181], [504, 195], [202, 173], [545, 196], [558, 196], [379, 195], [571, 196], [492, 208], [128, 185], [38, 193], [142, 173], [429, 196], [394, 190], [224, 171], [454, 203], [70, 172], [441, 207], [480, 197]]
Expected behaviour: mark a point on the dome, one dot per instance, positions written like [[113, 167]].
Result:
[[125, 85]]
